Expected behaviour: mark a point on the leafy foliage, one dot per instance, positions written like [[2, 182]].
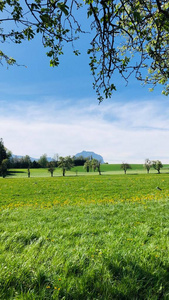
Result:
[[51, 167], [65, 163], [125, 167], [88, 165], [4, 168], [3, 154], [157, 165], [22, 162], [79, 161], [128, 37], [148, 164], [43, 161], [4, 159]]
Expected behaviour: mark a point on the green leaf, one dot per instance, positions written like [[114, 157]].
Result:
[[137, 16], [64, 8]]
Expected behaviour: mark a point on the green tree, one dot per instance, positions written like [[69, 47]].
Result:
[[88, 165], [21, 162], [79, 161], [157, 165], [55, 159], [5, 155], [15, 162], [65, 163], [3, 151], [51, 167], [148, 164], [43, 161], [35, 164], [125, 167], [4, 167], [96, 165], [25, 161], [128, 36], [29, 173]]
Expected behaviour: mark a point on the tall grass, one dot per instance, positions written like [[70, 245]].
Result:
[[97, 237]]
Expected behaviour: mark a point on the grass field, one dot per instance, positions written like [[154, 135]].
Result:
[[79, 170], [84, 237]]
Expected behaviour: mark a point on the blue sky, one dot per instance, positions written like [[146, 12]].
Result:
[[55, 110]]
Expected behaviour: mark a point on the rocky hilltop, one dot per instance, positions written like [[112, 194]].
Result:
[[90, 154]]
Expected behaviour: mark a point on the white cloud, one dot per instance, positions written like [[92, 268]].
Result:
[[118, 131]]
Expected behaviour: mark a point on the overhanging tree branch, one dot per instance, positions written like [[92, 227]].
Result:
[[128, 36]]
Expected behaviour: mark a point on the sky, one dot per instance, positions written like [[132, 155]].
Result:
[[46, 110]]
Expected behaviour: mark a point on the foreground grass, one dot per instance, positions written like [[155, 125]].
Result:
[[104, 237]]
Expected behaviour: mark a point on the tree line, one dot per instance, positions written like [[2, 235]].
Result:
[[43, 162], [65, 163], [8, 161]]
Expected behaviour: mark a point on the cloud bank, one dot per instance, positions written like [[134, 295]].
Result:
[[118, 131]]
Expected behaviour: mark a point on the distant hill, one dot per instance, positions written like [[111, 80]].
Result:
[[86, 154]]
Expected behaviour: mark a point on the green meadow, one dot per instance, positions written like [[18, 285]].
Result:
[[84, 237], [106, 169]]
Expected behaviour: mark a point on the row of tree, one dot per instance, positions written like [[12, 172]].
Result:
[[91, 164], [26, 162], [65, 163], [156, 164]]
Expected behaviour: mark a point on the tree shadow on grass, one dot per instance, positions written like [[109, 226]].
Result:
[[132, 281], [14, 173], [127, 281], [121, 281], [131, 174]]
